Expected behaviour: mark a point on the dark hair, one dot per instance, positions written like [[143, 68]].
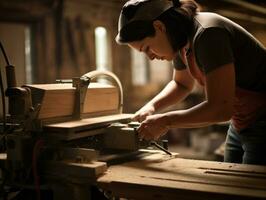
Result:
[[177, 20], [136, 31]]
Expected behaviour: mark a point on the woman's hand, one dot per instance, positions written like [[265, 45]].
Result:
[[153, 127], [142, 114]]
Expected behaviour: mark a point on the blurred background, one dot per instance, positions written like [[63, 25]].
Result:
[[59, 39]]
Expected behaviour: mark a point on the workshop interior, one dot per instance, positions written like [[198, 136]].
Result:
[[68, 94]]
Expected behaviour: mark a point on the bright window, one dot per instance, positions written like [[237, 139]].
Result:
[[146, 71], [101, 49], [28, 63], [140, 66]]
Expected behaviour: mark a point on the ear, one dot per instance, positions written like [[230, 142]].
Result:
[[159, 26]]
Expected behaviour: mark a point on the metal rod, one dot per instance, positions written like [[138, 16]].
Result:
[[160, 147]]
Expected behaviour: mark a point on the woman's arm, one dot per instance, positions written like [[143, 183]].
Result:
[[218, 106], [175, 91]]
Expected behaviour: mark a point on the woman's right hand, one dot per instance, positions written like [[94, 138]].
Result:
[[142, 113]]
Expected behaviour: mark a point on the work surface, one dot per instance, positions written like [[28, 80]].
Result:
[[160, 176]]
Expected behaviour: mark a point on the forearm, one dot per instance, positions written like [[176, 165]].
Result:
[[201, 115], [171, 94], [219, 104]]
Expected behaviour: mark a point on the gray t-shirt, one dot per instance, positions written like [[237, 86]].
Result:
[[218, 41]]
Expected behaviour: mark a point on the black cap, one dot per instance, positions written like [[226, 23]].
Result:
[[148, 11]]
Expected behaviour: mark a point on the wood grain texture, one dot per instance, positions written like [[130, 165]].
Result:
[[85, 124], [58, 100], [162, 177], [71, 171]]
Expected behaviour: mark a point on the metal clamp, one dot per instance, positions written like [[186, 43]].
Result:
[[81, 84]]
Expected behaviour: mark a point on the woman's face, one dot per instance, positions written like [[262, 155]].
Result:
[[157, 46]]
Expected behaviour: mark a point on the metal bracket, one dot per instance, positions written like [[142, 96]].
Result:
[[81, 84]]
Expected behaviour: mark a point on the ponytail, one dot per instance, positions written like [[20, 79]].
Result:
[[176, 3], [188, 7], [179, 22]]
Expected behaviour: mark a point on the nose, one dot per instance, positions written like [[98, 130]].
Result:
[[150, 55]]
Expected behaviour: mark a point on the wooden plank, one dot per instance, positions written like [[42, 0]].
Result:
[[58, 100], [68, 135], [163, 177], [85, 124], [71, 171]]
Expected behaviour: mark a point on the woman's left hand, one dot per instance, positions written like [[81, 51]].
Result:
[[153, 127]]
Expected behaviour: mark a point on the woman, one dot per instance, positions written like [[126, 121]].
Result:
[[217, 53]]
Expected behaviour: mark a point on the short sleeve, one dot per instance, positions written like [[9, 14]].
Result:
[[178, 63], [213, 49]]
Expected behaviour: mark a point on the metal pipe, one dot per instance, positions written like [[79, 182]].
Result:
[[97, 73]]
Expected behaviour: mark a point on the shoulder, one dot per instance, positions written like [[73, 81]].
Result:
[[211, 25], [212, 42], [211, 35], [208, 20]]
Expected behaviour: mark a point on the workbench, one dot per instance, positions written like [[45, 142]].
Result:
[[160, 176]]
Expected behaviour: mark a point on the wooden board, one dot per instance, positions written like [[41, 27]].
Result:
[[163, 177], [70, 171], [58, 100], [86, 124]]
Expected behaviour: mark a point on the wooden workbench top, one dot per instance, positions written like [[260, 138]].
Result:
[[160, 176]]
